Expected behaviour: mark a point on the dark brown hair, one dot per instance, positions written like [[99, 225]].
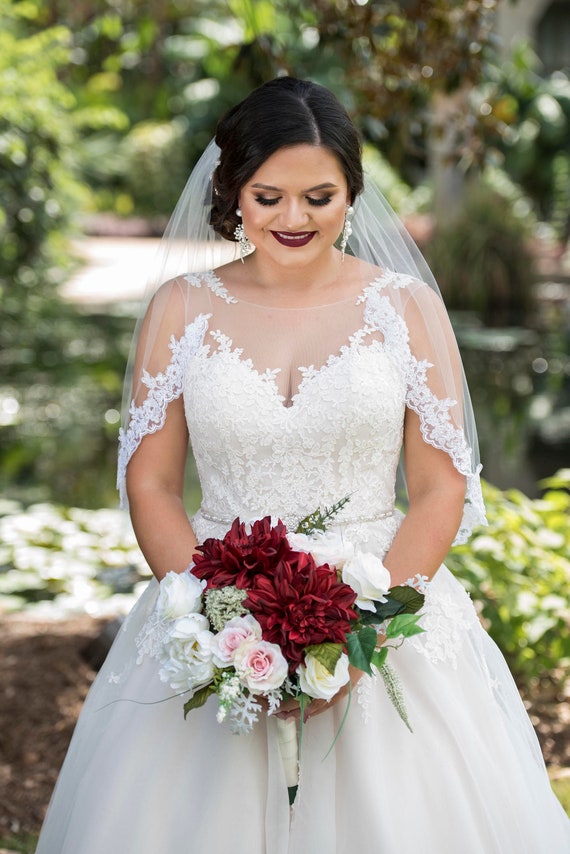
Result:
[[286, 111]]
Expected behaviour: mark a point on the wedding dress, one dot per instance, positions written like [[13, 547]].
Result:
[[288, 409]]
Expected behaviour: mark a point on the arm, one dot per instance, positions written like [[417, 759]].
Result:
[[155, 471], [155, 481], [436, 488], [436, 493]]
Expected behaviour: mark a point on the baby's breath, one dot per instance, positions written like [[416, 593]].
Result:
[[223, 604]]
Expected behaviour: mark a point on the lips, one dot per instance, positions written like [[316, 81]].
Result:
[[293, 239]]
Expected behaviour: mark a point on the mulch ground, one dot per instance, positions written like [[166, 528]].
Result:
[[44, 677]]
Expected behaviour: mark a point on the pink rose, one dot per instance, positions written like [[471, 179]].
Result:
[[261, 666], [237, 631]]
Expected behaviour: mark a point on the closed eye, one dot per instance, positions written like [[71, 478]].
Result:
[[320, 202], [263, 200]]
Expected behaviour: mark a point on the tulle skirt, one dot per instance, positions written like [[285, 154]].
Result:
[[469, 779]]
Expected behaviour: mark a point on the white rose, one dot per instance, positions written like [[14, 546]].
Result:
[[325, 547], [180, 593], [232, 636], [260, 665], [187, 661], [316, 681], [368, 577]]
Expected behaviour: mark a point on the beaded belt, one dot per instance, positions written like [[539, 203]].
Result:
[[292, 521]]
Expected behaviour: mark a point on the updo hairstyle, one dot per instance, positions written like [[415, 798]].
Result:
[[286, 111]]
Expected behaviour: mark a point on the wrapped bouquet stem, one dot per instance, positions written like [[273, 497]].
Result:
[[289, 749]]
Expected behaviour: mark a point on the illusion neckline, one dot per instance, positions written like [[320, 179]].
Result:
[[222, 291]]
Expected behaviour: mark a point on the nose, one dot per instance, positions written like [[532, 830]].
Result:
[[294, 214]]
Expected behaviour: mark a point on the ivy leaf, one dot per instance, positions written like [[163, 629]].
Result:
[[386, 610], [361, 647], [379, 657], [198, 699], [408, 596], [327, 654], [404, 625]]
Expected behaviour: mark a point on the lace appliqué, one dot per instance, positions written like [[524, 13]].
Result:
[[436, 423], [209, 278], [162, 390], [446, 622], [152, 637]]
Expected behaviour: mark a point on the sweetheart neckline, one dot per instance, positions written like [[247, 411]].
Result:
[[308, 374]]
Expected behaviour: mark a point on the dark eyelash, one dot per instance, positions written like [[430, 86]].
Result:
[[263, 201], [315, 202]]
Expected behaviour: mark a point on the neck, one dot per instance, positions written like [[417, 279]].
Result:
[[296, 282]]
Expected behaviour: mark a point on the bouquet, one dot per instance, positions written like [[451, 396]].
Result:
[[265, 614]]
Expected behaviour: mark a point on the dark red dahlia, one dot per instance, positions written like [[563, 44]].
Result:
[[241, 558], [302, 604]]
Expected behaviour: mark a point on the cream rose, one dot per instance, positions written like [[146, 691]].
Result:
[[237, 631], [316, 681], [368, 577], [187, 660], [260, 666], [180, 593]]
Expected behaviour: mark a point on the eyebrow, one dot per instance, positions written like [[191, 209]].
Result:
[[326, 186]]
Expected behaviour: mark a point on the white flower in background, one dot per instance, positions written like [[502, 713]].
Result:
[[260, 665], [180, 593], [316, 681], [237, 631], [187, 657], [368, 577], [325, 547]]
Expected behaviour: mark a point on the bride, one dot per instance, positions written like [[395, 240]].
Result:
[[314, 361]]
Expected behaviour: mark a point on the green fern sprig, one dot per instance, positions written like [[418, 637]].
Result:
[[318, 519]]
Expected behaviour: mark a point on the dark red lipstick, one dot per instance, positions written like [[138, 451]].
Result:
[[293, 238]]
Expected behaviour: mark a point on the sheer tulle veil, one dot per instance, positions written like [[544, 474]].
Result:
[[438, 391]]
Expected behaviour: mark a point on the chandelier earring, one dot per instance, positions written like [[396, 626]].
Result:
[[346, 230], [245, 246]]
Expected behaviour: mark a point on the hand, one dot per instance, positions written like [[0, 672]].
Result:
[[291, 708]]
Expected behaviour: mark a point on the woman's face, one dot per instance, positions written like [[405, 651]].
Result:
[[293, 207]]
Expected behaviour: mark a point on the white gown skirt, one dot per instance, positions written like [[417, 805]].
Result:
[[470, 779]]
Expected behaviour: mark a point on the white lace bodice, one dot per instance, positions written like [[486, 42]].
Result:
[[291, 409], [256, 456]]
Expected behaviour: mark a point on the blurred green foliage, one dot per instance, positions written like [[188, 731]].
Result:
[[518, 569], [526, 117], [156, 164], [481, 257], [192, 61], [38, 193], [58, 367]]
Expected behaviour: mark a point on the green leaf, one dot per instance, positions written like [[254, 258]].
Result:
[[379, 657], [408, 596], [327, 654], [198, 699], [385, 610], [361, 647], [399, 600], [404, 625]]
